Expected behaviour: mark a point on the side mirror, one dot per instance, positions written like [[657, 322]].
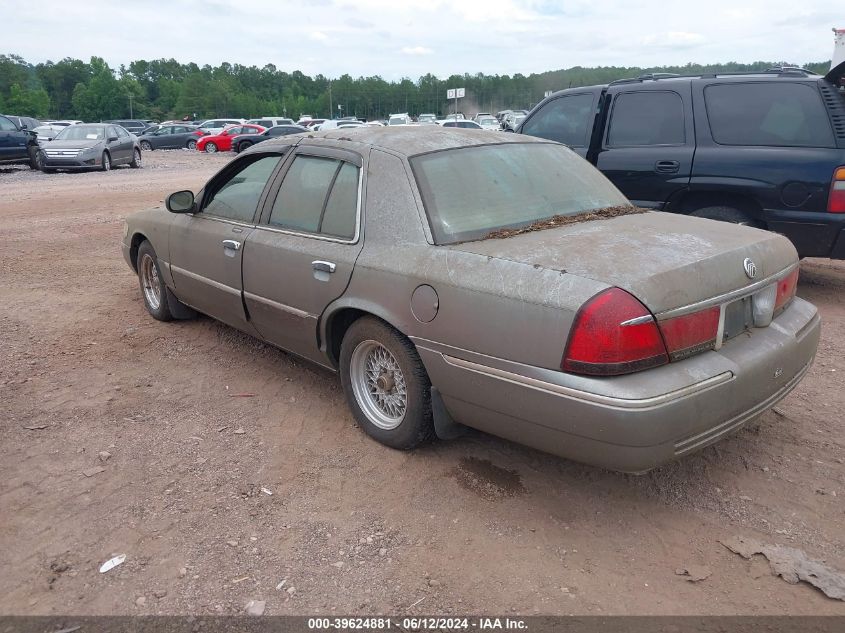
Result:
[[180, 202], [24, 126], [112, 139]]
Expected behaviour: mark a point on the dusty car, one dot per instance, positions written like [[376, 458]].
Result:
[[490, 280], [90, 146]]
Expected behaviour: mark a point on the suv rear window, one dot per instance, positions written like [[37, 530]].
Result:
[[767, 113], [647, 118], [564, 120], [470, 191]]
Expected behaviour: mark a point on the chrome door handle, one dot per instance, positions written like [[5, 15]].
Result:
[[232, 244], [326, 267]]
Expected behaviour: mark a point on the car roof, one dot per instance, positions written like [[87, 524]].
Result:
[[405, 141]]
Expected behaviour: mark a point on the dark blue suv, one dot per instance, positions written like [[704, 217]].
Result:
[[765, 149], [18, 145]]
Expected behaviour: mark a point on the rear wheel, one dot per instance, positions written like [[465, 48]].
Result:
[[192, 144], [244, 145], [105, 162], [136, 159], [386, 385], [146, 146], [727, 214], [211, 148]]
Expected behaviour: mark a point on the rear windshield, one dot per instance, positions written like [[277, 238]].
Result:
[[469, 192], [768, 113]]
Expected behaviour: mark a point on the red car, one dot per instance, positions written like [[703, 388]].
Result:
[[223, 142]]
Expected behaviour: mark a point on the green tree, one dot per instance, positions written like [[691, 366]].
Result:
[[34, 103]]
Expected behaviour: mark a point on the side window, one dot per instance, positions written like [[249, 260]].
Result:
[[6, 125], [564, 120], [318, 195], [237, 197], [767, 113], [113, 132], [121, 133], [341, 213], [647, 118]]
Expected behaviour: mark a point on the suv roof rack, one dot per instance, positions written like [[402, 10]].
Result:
[[789, 71]]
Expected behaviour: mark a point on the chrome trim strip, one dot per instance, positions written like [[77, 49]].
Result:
[[569, 392], [205, 280], [279, 306], [726, 297], [647, 318]]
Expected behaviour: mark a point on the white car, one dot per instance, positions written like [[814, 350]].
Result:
[[399, 119], [427, 119], [215, 126], [481, 115], [335, 124], [49, 130], [489, 123], [271, 121]]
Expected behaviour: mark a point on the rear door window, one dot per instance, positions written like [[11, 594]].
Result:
[[564, 120], [768, 113], [318, 195], [647, 118]]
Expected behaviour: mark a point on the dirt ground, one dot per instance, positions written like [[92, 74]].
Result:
[[478, 525]]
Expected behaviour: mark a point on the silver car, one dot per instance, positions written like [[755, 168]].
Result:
[[489, 280], [90, 146]]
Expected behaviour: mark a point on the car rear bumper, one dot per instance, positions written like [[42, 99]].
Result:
[[814, 234], [629, 423]]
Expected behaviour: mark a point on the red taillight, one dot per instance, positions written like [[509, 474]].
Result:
[[836, 200], [786, 290], [199, 133], [613, 334], [692, 333]]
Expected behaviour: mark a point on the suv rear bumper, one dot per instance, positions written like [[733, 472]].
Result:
[[814, 234]]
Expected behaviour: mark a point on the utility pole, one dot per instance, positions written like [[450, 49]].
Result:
[[131, 115], [330, 98]]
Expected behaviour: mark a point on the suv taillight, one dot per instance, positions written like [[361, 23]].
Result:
[[613, 334], [836, 200]]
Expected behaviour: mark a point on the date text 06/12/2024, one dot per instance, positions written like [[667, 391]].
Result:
[[416, 623]]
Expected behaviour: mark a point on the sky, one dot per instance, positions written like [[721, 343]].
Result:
[[396, 38]]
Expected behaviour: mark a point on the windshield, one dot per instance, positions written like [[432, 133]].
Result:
[[427, 117], [396, 120], [470, 191], [82, 133], [488, 121]]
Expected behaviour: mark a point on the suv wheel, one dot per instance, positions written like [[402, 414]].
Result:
[[727, 214]]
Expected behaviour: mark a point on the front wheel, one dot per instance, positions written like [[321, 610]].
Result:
[[386, 385], [136, 159], [146, 146], [152, 285], [36, 161], [211, 148], [105, 162]]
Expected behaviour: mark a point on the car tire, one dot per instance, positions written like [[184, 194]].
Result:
[[727, 214], [153, 290], [211, 147], [146, 146], [192, 144], [394, 407], [105, 162], [136, 159], [244, 145], [36, 161]]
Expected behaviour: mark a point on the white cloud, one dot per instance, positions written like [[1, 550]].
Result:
[[416, 50], [408, 39]]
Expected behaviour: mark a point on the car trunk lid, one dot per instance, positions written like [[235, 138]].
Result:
[[667, 261]]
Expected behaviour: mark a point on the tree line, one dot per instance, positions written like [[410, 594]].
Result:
[[166, 89]]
